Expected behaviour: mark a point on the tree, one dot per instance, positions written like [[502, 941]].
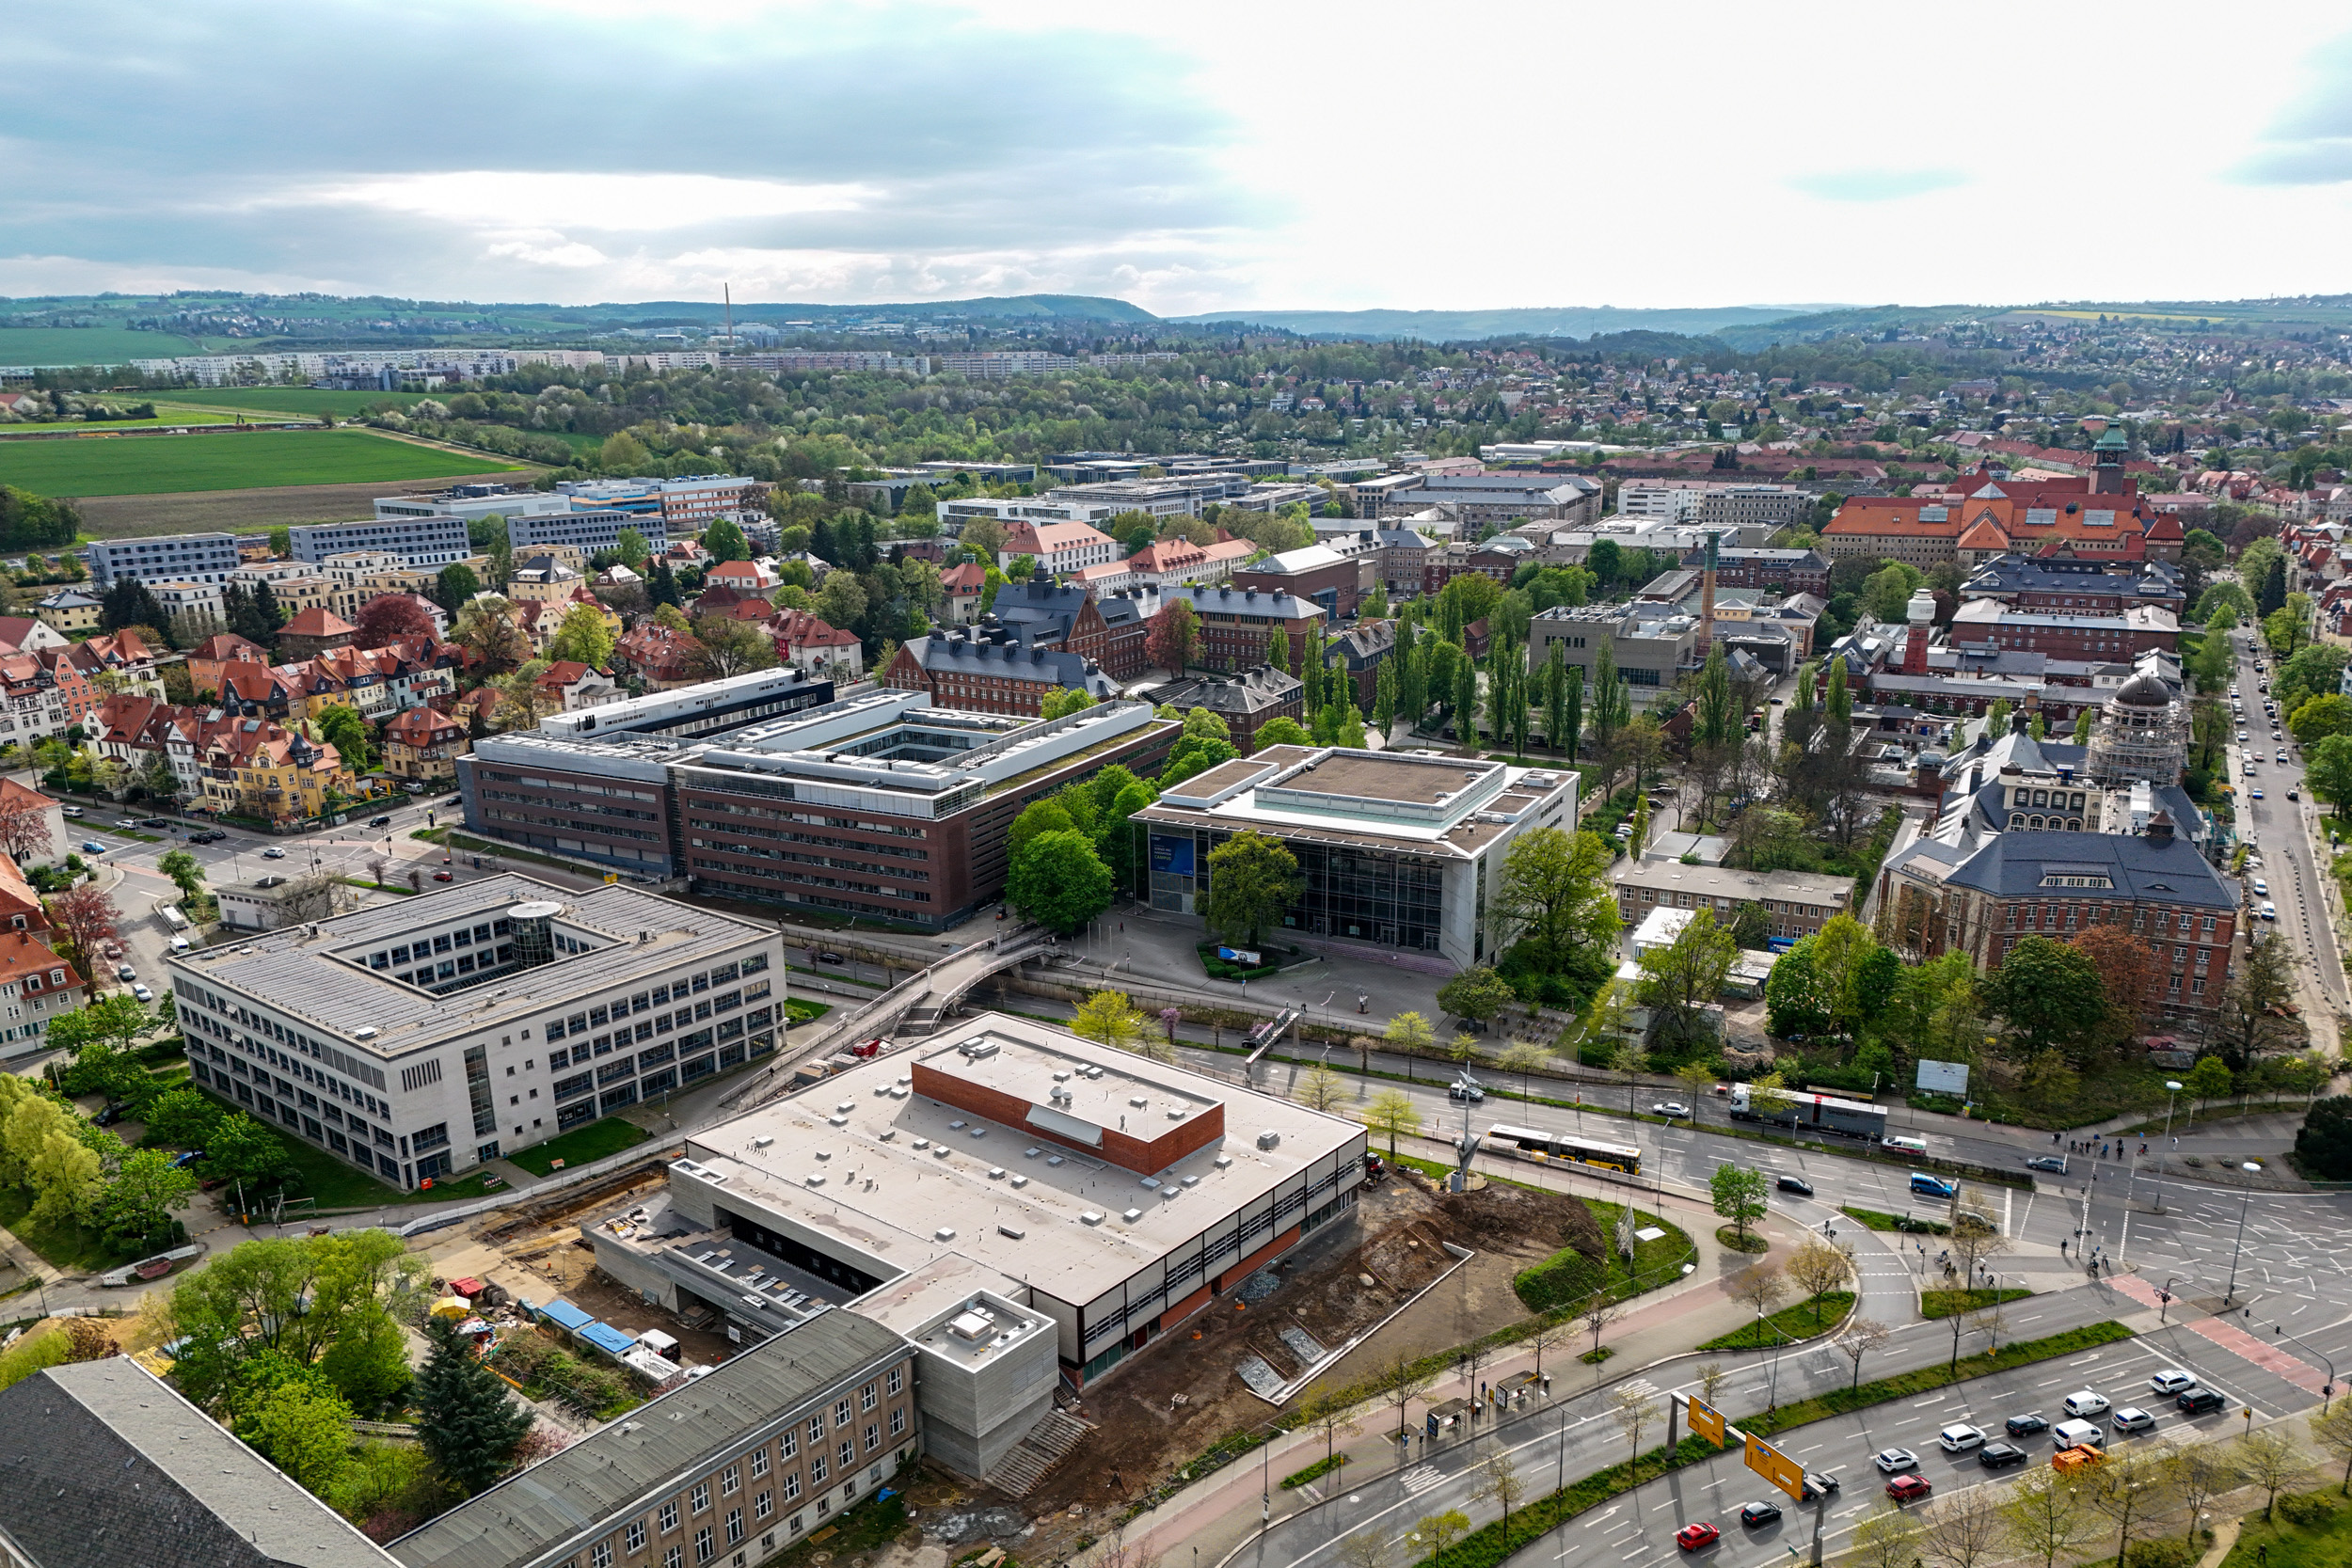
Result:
[[1890, 1539], [1863, 1336], [1474, 994], [726, 542], [1400, 1382], [2045, 1516], [2126, 1489], [1758, 1287], [2209, 1080], [25, 829], [1409, 1033], [2250, 1020], [1174, 639], [1392, 1112], [2049, 993], [182, 1119], [2131, 978], [1437, 1532], [1111, 1019], [1966, 1530], [1062, 702], [465, 1419], [1555, 893], [725, 647], [485, 631], [302, 1427], [1060, 881], [390, 618], [1321, 1088], [2332, 1430], [1681, 978], [1499, 1479], [1794, 1005], [137, 1203], [584, 637], [1817, 1267], [1629, 1061], [2270, 1460], [1333, 1411], [1254, 879], [2196, 1473], [1738, 1196], [88, 920], [1281, 731], [1633, 1409], [348, 731], [455, 585], [2321, 718], [2328, 766], [240, 1149]]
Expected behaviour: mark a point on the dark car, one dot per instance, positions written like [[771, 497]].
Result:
[[830, 958], [108, 1117], [1820, 1483], [2025, 1426], [1759, 1513], [2047, 1162], [1796, 1185], [182, 1161], [207, 836], [1995, 1455], [153, 822], [379, 821], [2197, 1402]]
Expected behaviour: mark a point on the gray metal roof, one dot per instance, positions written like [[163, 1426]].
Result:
[[606, 1478], [297, 975], [2012, 865], [102, 1465]]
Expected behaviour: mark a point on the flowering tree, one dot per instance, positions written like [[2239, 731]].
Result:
[[1174, 638], [88, 920], [25, 827]]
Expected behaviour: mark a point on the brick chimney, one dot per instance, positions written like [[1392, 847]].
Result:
[[1921, 614]]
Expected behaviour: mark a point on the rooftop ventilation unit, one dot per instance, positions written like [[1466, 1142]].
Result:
[[971, 1325], [945, 1233], [762, 1141], [365, 1032], [1268, 1138], [1090, 1217], [1131, 1215], [1012, 1230]]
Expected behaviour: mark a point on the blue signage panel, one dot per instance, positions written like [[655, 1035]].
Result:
[[1171, 855]]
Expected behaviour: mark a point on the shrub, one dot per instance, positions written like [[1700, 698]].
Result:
[[2162, 1553], [2324, 1146], [1563, 1279], [2306, 1508]]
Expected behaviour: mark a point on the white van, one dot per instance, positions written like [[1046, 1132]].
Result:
[[2078, 1434]]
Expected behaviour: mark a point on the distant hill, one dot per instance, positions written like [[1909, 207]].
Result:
[[994, 307], [1461, 325]]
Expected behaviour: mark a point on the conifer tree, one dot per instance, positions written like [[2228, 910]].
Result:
[[468, 1427]]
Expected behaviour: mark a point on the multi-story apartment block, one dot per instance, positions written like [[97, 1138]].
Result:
[[434, 541], [158, 557]]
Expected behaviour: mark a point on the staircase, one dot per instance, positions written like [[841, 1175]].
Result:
[[1030, 1459]]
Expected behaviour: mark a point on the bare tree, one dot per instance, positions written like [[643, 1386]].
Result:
[[2270, 1460], [1760, 1286], [1986, 1319], [1817, 1268], [378, 865], [2043, 1515], [1499, 1479], [1124, 1553], [1599, 1312], [1366, 1548], [1887, 1540], [1400, 1384], [2126, 1490], [1966, 1530], [1333, 1411], [1634, 1410], [2199, 1472], [1862, 1337], [1548, 1336], [310, 896], [2332, 1426], [1712, 1376]]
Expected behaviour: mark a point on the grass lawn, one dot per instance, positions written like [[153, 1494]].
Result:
[[164, 465], [306, 400], [798, 1011], [1876, 1220], [68, 1246], [88, 345], [2279, 1545], [1944, 1304], [1789, 1325], [582, 1145]]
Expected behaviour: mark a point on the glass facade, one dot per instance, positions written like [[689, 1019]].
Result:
[[1360, 893]]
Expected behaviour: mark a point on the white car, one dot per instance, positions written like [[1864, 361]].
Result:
[[2262, 890], [2085, 1403], [2131, 1418], [2250, 770], [1959, 1438], [141, 991], [2270, 912], [2172, 1381], [272, 853], [1893, 1461], [1670, 1108]]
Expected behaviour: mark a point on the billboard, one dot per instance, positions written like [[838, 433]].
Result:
[[1776, 1467], [1241, 956], [1171, 854], [1706, 1422], [1944, 1078]]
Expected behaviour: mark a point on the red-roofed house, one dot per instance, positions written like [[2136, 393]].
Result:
[[744, 577], [206, 658], [313, 632], [662, 657], [19, 902], [568, 686], [36, 983], [423, 744], [805, 639], [964, 586], [1058, 547]]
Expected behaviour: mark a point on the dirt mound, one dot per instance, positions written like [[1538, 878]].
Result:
[[1502, 1218]]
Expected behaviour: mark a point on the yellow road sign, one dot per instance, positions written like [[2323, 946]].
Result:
[[1775, 1466], [1708, 1422]]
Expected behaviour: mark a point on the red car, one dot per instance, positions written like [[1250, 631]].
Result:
[[444, 877], [1908, 1489], [1691, 1537]]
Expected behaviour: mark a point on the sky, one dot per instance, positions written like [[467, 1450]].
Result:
[[1193, 157]]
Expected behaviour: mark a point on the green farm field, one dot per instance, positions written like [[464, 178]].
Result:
[[251, 401], [167, 413], [166, 465], [89, 345]]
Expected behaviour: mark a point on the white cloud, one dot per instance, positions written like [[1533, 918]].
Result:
[[506, 199]]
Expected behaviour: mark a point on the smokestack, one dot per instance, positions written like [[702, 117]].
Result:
[[1706, 597]]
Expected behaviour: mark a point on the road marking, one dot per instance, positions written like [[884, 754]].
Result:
[[1420, 1479]]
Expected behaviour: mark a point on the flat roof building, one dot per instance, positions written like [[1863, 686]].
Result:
[[436, 539], [422, 1038], [163, 558], [1113, 1194], [1403, 850]]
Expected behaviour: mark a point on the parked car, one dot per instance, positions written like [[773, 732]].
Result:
[[1908, 1489], [2270, 912], [153, 822], [444, 876], [2047, 1162], [182, 1161], [1994, 1456], [142, 993], [1891, 1460], [2261, 889], [125, 972], [1796, 1185], [2173, 1380], [2283, 753], [2085, 1403], [2293, 796], [1756, 1513], [108, 1117], [2025, 1426], [2257, 792], [2197, 1402]]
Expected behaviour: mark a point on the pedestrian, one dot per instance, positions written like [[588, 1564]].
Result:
[[2061, 1246]]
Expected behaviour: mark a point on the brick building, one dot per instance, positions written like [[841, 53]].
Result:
[[1235, 624], [1244, 701], [2067, 634], [1784, 571]]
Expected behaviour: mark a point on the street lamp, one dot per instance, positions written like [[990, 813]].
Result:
[[2244, 1203]]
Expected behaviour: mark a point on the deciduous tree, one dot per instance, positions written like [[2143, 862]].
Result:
[[1060, 881], [390, 618], [1392, 1112], [1254, 879], [1738, 1196]]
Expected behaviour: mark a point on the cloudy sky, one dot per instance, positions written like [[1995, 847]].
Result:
[[1189, 157]]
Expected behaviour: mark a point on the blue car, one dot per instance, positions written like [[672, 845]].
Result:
[[183, 1161], [91, 847]]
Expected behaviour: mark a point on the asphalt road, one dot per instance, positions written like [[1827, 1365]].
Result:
[[2276, 825]]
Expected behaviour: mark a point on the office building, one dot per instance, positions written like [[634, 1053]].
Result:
[[418, 1039], [1402, 852], [163, 558], [587, 529], [1798, 902], [1335, 576], [436, 540], [1652, 643]]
